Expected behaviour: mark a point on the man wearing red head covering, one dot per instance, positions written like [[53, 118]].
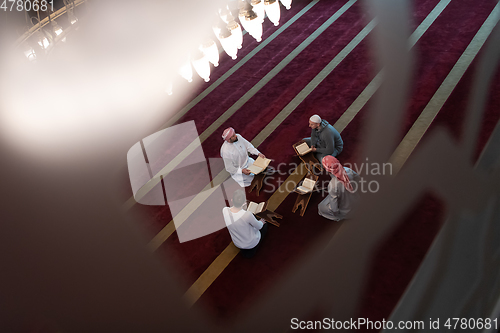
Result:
[[235, 151], [341, 190]]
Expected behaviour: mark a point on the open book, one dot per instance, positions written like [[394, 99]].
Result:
[[255, 208], [303, 148], [259, 165], [306, 187]]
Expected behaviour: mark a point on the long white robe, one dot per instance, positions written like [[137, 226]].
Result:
[[243, 228], [235, 156], [339, 202]]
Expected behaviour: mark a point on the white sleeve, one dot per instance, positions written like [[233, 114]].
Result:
[[250, 148], [253, 221], [229, 162]]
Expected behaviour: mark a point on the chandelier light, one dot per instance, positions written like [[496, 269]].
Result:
[[272, 8], [217, 29], [46, 32], [258, 8], [72, 18], [70, 7], [186, 71], [225, 15], [202, 66], [56, 28], [287, 4], [236, 32], [226, 39], [210, 51], [250, 21], [42, 40], [229, 44], [168, 90], [227, 29], [30, 53]]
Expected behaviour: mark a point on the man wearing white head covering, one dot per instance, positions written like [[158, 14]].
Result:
[[234, 152], [325, 139]]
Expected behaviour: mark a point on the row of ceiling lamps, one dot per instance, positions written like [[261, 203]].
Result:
[[46, 39], [227, 30], [229, 33]]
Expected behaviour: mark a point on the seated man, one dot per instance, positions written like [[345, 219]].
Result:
[[235, 151], [325, 139], [245, 230], [342, 194]]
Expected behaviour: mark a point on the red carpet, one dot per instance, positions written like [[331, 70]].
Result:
[[399, 257]]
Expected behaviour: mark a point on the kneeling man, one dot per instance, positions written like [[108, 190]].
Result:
[[235, 151], [325, 139], [245, 230]]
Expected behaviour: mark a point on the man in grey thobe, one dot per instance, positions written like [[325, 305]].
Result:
[[325, 139], [339, 201]]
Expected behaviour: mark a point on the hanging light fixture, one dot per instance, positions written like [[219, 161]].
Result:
[[30, 53], [217, 29], [232, 25], [201, 66], [42, 40], [258, 8], [70, 5], [186, 71], [226, 39], [287, 4], [250, 21], [225, 14], [272, 8], [168, 89], [210, 51], [236, 32], [72, 18], [56, 28], [228, 43]]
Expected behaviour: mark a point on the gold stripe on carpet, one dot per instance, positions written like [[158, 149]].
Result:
[[210, 274], [437, 101], [373, 86]]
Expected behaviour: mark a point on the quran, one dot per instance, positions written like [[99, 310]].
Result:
[[306, 187], [259, 165], [255, 208], [303, 149]]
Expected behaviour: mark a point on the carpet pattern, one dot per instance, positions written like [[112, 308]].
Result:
[[399, 256]]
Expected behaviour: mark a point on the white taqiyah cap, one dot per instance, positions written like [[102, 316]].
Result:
[[315, 119]]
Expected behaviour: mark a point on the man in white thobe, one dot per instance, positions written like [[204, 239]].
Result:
[[234, 152]]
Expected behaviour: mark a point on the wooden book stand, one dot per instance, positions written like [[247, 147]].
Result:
[[309, 160], [303, 199], [257, 182], [268, 215]]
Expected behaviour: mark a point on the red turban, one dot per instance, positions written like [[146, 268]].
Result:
[[333, 166], [228, 133]]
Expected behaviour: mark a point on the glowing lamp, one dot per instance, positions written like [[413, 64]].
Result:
[[210, 51], [272, 8]]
